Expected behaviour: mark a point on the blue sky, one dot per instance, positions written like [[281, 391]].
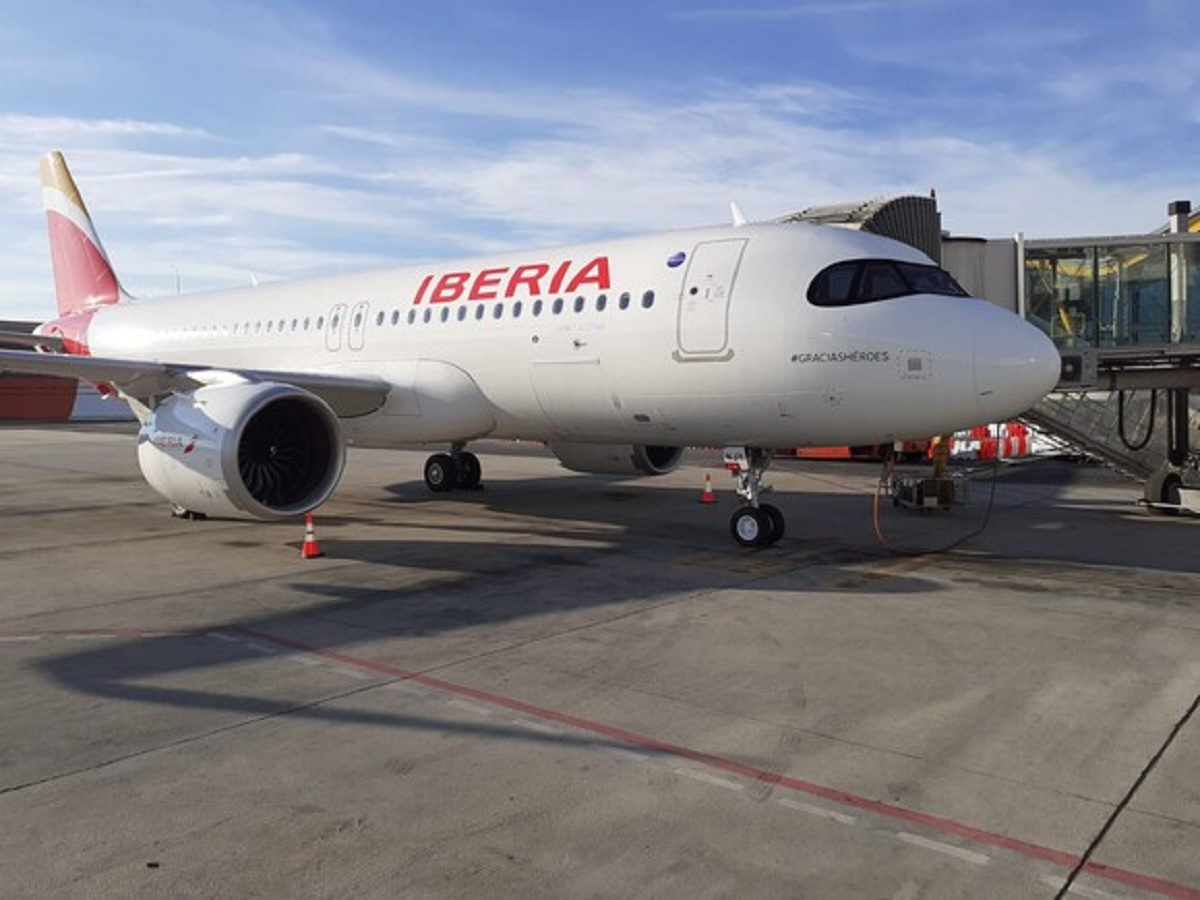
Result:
[[219, 140]]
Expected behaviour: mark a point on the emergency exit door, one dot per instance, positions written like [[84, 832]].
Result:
[[704, 301]]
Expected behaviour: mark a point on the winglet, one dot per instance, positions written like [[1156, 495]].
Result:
[[83, 275], [739, 217]]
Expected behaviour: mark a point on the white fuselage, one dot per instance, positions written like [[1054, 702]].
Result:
[[610, 342]]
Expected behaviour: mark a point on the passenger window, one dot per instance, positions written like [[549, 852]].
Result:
[[498, 311], [320, 323], [579, 302], [428, 316], [516, 311], [445, 314], [624, 301], [647, 299], [379, 318], [537, 308], [601, 302], [557, 306], [479, 313], [462, 313]]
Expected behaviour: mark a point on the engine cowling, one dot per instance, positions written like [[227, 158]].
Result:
[[617, 459], [260, 449]]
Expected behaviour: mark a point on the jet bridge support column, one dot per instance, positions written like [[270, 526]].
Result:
[[1179, 213], [1177, 426]]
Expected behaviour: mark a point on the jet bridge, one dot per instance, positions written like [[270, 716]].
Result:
[[1125, 314], [913, 219]]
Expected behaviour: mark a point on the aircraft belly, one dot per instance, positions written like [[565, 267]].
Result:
[[574, 397]]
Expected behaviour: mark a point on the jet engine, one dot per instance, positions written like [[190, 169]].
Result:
[[617, 459], [260, 449]]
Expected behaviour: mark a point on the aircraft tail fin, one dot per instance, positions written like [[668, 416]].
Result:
[[83, 276]]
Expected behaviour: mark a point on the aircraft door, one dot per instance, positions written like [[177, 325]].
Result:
[[703, 318], [358, 325], [334, 326]]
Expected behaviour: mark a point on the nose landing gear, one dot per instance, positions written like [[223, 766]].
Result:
[[755, 524]]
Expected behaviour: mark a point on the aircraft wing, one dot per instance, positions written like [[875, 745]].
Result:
[[347, 395]]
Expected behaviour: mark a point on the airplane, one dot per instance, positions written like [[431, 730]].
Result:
[[616, 355]]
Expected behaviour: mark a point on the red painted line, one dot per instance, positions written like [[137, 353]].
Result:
[[925, 820]]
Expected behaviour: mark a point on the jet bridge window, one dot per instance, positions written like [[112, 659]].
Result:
[[868, 280]]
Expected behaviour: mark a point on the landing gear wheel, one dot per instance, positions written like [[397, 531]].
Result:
[[1162, 491], [777, 523], [751, 527], [470, 471], [441, 474], [1170, 489], [1169, 493]]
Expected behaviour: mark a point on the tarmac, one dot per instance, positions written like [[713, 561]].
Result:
[[572, 686]]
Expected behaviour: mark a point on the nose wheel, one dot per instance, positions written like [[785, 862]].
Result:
[[755, 524]]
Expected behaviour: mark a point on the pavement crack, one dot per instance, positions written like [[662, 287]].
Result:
[[1086, 856]]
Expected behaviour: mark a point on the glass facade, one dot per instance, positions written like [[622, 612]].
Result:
[[1115, 294]]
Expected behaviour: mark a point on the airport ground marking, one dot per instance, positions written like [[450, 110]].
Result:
[[83, 634], [468, 706], [971, 856], [819, 811], [653, 746], [1080, 889], [708, 778]]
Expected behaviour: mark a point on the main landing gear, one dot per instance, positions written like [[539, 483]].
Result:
[[755, 524], [456, 470]]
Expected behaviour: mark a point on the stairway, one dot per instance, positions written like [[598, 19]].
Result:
[[1090, 423]]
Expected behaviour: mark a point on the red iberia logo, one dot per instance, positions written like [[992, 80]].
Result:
[[506, 282]]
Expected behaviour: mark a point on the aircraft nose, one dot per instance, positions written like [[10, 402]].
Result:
[[1015, 366]]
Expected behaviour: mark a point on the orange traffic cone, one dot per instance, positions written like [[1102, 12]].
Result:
[[310, 550], [707, 496]]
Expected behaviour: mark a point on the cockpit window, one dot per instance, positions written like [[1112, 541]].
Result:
[[867, 280], [878, 281]]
